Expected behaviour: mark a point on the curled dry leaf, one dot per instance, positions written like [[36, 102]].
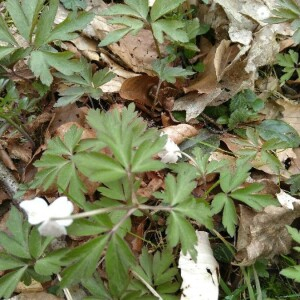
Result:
[[263, 234], [181, 132], [138, 89]]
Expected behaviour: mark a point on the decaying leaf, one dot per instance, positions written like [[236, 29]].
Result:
[[263, 234]]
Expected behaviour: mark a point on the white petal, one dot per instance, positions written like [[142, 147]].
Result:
[[61, 208], [200, 280], [171, 152], [52, 228], [36, 209]]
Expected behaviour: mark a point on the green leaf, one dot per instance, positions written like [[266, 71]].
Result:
[[114, 36], [218, 203], [8, 262], [295, 234], [41, 61], [118, 257], [65, 30], [169, 74], [36, 243], [292, 272], [44, 25], [83, 227], [229, 219], [86, 259], [18, 16], [74, 4], [179, 230], [256, 201], [162, 7], [294, 181], [103, 76], [121, 9], [13, 247], [4, 51], [277, 129], [96, 287], [5, 34], [52, 263], [9, 282], [141, 6], [99, 167], [172, 28]]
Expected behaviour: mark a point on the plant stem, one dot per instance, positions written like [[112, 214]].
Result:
[[125, 217], [155, 208], [18, 127], [94, 212]]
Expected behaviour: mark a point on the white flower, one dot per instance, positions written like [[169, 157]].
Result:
[[38, 211], [171, 152], [151, 2]]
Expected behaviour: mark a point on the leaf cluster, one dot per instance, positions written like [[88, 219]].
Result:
[[287, 11], [160, 18], [24, 256], [34, 21], [290, 62]]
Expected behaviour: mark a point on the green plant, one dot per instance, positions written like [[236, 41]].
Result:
[[34, 21], [25, 255], [290, 62], [287, 11], [293, 272]]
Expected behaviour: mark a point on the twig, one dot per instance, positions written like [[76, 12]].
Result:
[[9, 182]]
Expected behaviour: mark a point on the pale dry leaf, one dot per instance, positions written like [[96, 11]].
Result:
[[34, 287], [181, 132], [35, 296], [264, 234], [286, 200], [200, 279]]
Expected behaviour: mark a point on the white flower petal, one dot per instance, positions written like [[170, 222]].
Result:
[[286, 200], [61, 208], [52, 228], [36, 209], [171, 152]]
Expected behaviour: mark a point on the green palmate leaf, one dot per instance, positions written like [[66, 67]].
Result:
[[41, 61], [292, 272], [8, 262], [96, 287], [179, 230], [83, 227], [57, 167], [172, 28], [178, 189], [256, 201], [9, 282], [84, 260], [118, 257], [157, 271], [65, 30], [197, 211], [162, 7], [232, 179], [101, 77], [134, 24], [167, 73], [52, 263], [99, 167], [277, 129]]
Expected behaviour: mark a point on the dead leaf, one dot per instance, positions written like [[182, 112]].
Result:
[[263, 234], [35, 296], [138, 89], [181, 132]]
